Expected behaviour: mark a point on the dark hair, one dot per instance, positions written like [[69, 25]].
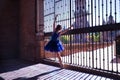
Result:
[[58, 27]]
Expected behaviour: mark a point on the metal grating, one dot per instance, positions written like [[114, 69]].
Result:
[[91, 43]]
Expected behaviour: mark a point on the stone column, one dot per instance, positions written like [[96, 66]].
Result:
[[39, 29]]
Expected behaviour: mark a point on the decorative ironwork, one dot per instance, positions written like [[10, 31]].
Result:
[[91, 41]]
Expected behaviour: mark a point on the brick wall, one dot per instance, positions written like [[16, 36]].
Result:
[[27, 30], [9, 29], [17, 30]]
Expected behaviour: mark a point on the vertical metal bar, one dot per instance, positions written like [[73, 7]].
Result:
[[53, 18], [89, 33], [86, 33], [98, 12], [69, 21], [74, 24], [80, 34], [66, 46], [69, 26], [103, 35], [115, 11], [64, 52], [67, 61], [106, 32], [92, 33], [95, 11], [106, 9], [103, 39], [95, 32], [116, 32], [82, 20], [75, 58], [82, 26], [102, 11], [103, 55], [111, 32]]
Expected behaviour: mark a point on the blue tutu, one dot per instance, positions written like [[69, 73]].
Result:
[[54, 45]]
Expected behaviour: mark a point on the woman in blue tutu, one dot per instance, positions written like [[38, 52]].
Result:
[[55, 45]]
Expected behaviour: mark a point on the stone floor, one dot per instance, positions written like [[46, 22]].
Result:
[[21, 70]]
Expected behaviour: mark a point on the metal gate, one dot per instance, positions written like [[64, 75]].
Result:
[[91, 43]]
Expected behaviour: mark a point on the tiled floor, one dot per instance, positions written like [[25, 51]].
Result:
[[21, 70]]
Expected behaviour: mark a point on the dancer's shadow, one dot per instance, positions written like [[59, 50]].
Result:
[[1, 78]]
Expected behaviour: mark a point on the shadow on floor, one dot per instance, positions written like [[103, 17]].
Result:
[[11, 65], [1, 78], [41, 72], [36, 77]]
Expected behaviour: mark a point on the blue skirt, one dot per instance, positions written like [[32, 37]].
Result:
[[54, 46]]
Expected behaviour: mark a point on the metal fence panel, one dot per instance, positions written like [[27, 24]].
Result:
[[91, 43]]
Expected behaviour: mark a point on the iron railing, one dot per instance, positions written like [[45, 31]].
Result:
[[91, 43]]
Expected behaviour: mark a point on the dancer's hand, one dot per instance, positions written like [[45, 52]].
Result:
[[70, 27], [56, 16], [54, 22]]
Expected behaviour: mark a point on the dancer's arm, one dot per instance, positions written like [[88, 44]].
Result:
[[64, 31], [54, 22]]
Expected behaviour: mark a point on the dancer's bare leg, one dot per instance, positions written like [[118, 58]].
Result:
[[60, 60]]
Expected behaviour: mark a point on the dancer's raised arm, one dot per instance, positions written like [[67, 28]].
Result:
[[54, 22]]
